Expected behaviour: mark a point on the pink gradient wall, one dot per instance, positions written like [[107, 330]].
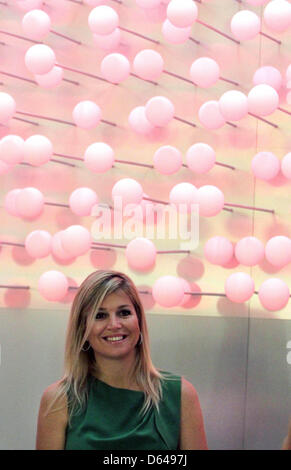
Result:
[[233, 146]]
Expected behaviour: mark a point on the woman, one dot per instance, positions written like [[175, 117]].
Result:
[[111, 396]]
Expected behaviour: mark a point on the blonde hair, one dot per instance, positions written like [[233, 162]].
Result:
[[79, 364]]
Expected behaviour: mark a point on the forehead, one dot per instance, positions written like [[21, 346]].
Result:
[[114, 300]]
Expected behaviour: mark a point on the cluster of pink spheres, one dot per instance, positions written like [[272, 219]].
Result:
[[262, 100], [171, 291], [249, 251]]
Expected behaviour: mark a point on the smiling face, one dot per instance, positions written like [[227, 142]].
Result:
[[115, 317]]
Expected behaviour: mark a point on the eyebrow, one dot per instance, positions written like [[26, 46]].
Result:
[[118, 308]]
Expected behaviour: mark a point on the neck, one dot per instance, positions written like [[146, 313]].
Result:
[[115, 372]]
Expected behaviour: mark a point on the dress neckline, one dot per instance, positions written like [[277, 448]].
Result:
[[116, 388]]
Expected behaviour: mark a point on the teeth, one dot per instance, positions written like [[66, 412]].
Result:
[[114, 338]]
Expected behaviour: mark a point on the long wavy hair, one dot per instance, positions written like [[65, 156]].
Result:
[[79, 364]]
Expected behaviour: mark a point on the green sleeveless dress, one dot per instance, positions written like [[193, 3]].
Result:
[[111, 420]]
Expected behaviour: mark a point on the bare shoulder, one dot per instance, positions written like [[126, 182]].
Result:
[[52, 423], [192, 432]]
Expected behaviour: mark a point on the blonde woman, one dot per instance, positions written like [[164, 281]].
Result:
[[111, 396]]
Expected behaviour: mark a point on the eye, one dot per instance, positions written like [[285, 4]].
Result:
[[125, 312], [99, 315]]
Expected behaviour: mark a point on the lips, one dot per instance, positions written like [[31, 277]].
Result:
[[114, 336]]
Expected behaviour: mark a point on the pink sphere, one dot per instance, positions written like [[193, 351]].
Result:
[[182, 13], [233, 105], [27, 5], [210, 116], [274, 294], [245, 25], [53, 285], [175, 35], [39, 59], [99, 157], [256, 2], [239, 287], [218, 250], [5, 168], [184, 195], [210, 200], [82, 200], [115, 68], [51, 79], [167, 160], [277, 15], [76, 240], [286, 166], [141, 254], [139, 122], [168, 291], [187, 288], [249, 251], [128, 191], [38, 243], [265, 166], [278, 251], [10, 202], [86, 114], [263, 100], [7, 107], [36, 24], [200, 158], [29, 202], [148, 64], [12, 149], [93, 3], [58, 249], [148, 3], [204, 72], [159, 110], [107, 41], [38, 150], [269, 76], [103, 20]]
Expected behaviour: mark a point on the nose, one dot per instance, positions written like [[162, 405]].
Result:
[[114, 322]]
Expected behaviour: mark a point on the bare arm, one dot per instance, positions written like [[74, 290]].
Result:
[[192, 433], [51, 429], [287, 441]]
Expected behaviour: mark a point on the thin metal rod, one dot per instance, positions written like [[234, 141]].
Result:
[[284, 111], [270, 37], [109, 244], [217, 31], [229, 81], [67, 156], [56, 204], [178, 76], [225, 165], [4, 286], [26, 120], [87, 74], [65, 37], [18, 76], [135, 163], [173, 251], [46, 117], [19, 37], [205, 293], [264, 120], [149, 81], [12, 243], [186, 122], [241, 206], [139, 35]]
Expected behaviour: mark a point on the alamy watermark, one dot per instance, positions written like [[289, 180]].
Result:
[[153, 221]]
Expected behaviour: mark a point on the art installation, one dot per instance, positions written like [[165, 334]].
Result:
[[147, 103]]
